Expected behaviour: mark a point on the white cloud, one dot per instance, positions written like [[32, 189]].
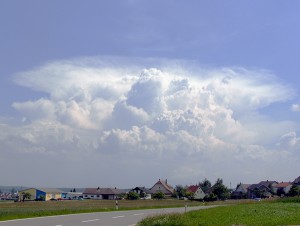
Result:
[[289, 141], [296, 107], [167, 117]]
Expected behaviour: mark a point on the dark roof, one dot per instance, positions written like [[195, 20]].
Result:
[[143, 189], [297, 180], [101, 191], [258, 186], [267, 183]]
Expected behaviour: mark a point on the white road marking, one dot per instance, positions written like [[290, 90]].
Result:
[[117, 217], [138, 214], [132, 225], [89, 220], [59, 225]]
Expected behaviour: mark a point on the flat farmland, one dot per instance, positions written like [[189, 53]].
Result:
[[17, 210]]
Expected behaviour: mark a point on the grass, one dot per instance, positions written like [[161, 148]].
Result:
[[281, 212], [18, 210]]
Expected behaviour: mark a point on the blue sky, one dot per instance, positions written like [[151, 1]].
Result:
[[183, 90]]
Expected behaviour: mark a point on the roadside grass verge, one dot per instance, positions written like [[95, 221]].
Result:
[[281, 212], [18, 210]]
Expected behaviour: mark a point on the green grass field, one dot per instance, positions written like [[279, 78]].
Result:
[[16, 210], [279, 212]]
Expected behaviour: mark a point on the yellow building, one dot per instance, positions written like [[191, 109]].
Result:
[[43, 194]]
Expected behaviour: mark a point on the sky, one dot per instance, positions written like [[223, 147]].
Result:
[[120, 93]]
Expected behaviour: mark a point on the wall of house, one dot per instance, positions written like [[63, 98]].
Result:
[[52, 196], [199, 194], [32, 191], [40, 194], [159, 187], [92, 196]]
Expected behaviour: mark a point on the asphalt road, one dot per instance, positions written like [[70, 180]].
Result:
[[114, 218]]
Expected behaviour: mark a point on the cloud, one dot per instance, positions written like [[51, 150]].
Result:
[[289, 141], [168, 117], [296, 107]]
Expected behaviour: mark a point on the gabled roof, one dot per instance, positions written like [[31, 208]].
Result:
[[143, 189], [282, 185], [101, 191], [297, 180], [243, 186], [267, 183], [258, 186], [193, 188], [165, 185]]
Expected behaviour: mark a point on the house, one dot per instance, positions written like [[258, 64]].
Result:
[[51, 193], [282, 188], [162, 186], [269, 184], [196, 191], [34, 194], [259, 191], [143, 192], [101, 193], [297, 181], [241, 191], [43, 194], [72, 195]]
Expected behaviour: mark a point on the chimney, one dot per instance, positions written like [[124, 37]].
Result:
[[166, 181]]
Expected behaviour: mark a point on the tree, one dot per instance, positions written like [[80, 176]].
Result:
[[133, 195], [205, 185], [294, 191], [180, 191], [159, 195], [26, 195], [220, 190]]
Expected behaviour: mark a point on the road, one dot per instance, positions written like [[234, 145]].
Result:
[[114, 218]]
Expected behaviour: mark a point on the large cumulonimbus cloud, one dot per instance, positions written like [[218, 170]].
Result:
[[188, 117]]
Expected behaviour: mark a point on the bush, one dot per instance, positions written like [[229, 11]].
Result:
[[133, 196], [158, 195]]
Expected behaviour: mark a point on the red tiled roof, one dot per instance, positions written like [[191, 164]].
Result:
[[193, 188], [282, 185]]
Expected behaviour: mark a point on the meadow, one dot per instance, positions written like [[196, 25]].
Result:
[[265, 212], [17, 210]]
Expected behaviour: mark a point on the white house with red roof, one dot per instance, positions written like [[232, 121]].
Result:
[[197, 191], [282, 188]]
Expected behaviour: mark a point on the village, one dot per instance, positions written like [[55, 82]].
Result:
[[203, 191]]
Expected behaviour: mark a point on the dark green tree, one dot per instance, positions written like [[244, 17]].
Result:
[[220, 190], [132, 196], [158, 195], [26, 195], [180, 191], [205, 185], [295, 190]]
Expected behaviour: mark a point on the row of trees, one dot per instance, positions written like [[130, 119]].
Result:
[[135, 196]]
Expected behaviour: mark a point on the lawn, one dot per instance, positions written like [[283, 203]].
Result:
[[256, 213], [16, 210]]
